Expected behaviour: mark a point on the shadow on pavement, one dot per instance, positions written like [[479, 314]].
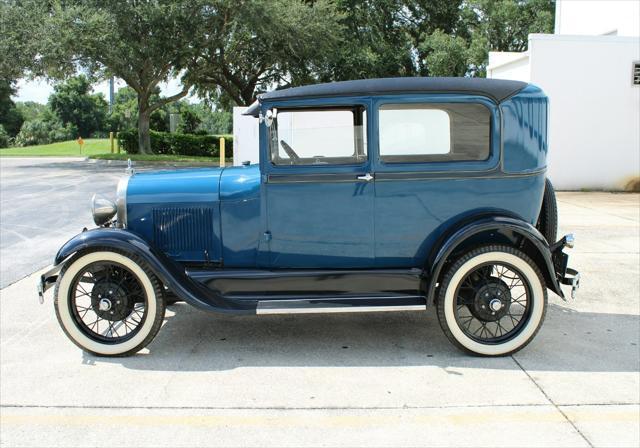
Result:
[[192, 340]]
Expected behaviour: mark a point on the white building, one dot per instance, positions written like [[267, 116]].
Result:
[[245, 137], [587, 70]]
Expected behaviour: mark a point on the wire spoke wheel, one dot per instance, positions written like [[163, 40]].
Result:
[[108, 302], [493, 302]]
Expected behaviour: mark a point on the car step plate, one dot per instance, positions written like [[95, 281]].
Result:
[[342, 305]]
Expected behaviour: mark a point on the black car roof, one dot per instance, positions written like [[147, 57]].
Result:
[[496, 89]]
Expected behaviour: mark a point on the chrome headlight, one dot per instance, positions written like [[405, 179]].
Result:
[[121, 201], [102, 209]]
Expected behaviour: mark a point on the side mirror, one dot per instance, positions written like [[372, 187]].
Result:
[[269, 116]]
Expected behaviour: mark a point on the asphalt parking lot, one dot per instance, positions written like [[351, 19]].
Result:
[[380, 379], [44, 201]]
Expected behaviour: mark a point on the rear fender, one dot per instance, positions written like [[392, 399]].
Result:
[[492, 230], [171, 274]]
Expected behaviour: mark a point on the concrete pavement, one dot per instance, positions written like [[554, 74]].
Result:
[[381, 379]]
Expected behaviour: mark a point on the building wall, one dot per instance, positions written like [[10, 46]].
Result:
[[597, 17], [594, 129], [514, 66], [245, 137]]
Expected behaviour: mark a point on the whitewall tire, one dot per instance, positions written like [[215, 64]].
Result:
[[109, 304], [492, 301]]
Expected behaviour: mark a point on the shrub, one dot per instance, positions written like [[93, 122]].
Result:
[[4, 138], [43, 131], [177, 144]]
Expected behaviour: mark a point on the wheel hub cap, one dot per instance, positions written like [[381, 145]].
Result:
[[109, 300], [495, 305], [492, 300]]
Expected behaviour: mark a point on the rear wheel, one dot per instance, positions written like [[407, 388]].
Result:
[[109, 304], [492, 301]]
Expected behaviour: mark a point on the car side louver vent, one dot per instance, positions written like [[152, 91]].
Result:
[[636, 73], [184, 230]]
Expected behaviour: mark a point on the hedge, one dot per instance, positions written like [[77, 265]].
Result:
[[177, 144]]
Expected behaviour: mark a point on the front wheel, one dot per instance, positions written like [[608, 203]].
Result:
[[492, 301], [108, 303]]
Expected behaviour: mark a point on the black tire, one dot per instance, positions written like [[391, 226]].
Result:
[[450, 301], [66, 296], [548, 218]]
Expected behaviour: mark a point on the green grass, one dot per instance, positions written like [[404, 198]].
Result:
[[97, 148], [158, 158], [69, 148]]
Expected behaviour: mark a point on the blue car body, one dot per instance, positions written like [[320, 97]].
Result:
[[227, 239]]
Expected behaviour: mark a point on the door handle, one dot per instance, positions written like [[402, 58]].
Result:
[[367, 177]]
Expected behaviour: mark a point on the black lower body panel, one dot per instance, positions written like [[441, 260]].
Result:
[[263, 285]]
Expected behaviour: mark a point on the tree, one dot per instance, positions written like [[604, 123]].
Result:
[[31, 110], [250, 46], [10, 117], [189, 122], [124, 113], [74, 103], [422, 18], [503, 25], [374, 42], [21, 35], [143, 42], [216, 121], [445, 55]]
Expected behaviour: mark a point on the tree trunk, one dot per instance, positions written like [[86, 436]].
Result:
[[144, 114]]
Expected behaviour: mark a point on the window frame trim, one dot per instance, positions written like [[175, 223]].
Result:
[[268, 167], [491, 163]]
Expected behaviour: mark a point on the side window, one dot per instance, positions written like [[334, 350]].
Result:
[[429, 132], [331, 136]]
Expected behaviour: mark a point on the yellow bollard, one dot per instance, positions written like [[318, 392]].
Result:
[[117, 144], [111, 141], [222, 152]]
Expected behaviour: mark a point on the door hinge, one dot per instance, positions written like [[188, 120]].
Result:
[[267, 236]]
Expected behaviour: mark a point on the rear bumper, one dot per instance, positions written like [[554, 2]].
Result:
[[47, 280], [572, 278], [565, 274]]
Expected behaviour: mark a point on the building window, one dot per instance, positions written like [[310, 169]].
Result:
[[428, 132], [636, 73]]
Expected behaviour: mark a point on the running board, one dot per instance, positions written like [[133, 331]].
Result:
[[342, 305]]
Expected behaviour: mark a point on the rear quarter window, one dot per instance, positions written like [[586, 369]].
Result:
[[433, 132]]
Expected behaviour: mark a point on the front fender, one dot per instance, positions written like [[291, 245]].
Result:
[[488, 230], [171, 274]]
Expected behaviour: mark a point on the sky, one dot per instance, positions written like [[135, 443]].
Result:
[[39, 90]]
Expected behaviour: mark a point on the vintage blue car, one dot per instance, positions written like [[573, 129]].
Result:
[[370, 195]]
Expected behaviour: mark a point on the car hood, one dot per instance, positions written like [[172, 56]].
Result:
[[177, 186]]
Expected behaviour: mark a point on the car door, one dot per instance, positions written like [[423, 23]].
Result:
[[318, 187], [435, 155]]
